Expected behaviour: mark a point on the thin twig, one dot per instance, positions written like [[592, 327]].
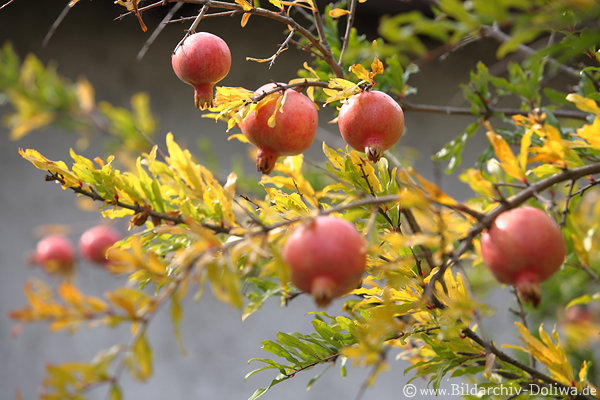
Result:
[[349, 24], [158, 30], [515, 201], [467, 332], [324, 51], [319, 25], [523, 316], [495, 33], [452, 110], [282, 47], [55, 25], [5, 4]]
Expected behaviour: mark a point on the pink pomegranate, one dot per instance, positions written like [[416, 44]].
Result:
[[523, 247], [372, 122], [202, 60], [55, 253], [293, 133], [94, 242], [327, 257]]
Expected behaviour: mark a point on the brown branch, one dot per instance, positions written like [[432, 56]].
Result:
[[534, 373], [452, 110], [56, 24], [158, 30], [94, 195], [349, 24], [283, 18], [6, 4], [515, 201], [497, 34]]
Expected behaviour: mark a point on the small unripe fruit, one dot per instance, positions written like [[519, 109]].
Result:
[[293, 132], [327, 258], [523, 247], [55, 254], [94, 242], [372, 122], [202, 60]]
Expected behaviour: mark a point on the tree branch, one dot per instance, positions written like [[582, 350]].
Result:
[[515, 201], [534, 373], [283, 18], [349, 24], [450, 110]]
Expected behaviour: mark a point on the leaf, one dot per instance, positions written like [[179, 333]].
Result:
[[591, 133], [142, 355], [585, 299], [507, 159], [474, 178], [584, 104], [245, 5], [338, 12]]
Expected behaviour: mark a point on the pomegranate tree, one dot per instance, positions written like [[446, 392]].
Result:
[[523, 247], [327, 257], [291, 133], [202, 60], [94, 242], [55, 253], [371, 121]]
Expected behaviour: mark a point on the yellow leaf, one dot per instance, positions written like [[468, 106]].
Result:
[[55, 167], [360, 72], [276, 3], [30, 123], [376, 67], [335, 158], [431, 189], [338, 12], [591, 133], [367, 169], [240, 137], [477, 182], [524, 154], [507, 159], [245, 19], [580, 250], [584, 104], [85, 95], [245, 5]]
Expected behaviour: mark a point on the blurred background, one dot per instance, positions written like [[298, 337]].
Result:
[[91, 43]]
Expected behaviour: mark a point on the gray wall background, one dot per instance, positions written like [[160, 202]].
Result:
[[89, 43]]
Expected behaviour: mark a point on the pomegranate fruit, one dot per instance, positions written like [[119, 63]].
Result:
[[202, 60], [94, 242], [371, 121], [327, 258], [523, 247], [293, 131], [55, 253]]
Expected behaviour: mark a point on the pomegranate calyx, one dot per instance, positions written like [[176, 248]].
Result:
[[322, 290]]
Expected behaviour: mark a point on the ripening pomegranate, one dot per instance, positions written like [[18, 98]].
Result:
[[327, 257], [202, 60], [55, 254], [523, 247], [94, 242], [371, 121], [293, 133]]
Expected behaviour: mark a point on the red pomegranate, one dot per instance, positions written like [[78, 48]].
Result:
[[94, 242], [523, 247], [293, 133], [55, 253], [371, 121], [202, 60], [327, 257]]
